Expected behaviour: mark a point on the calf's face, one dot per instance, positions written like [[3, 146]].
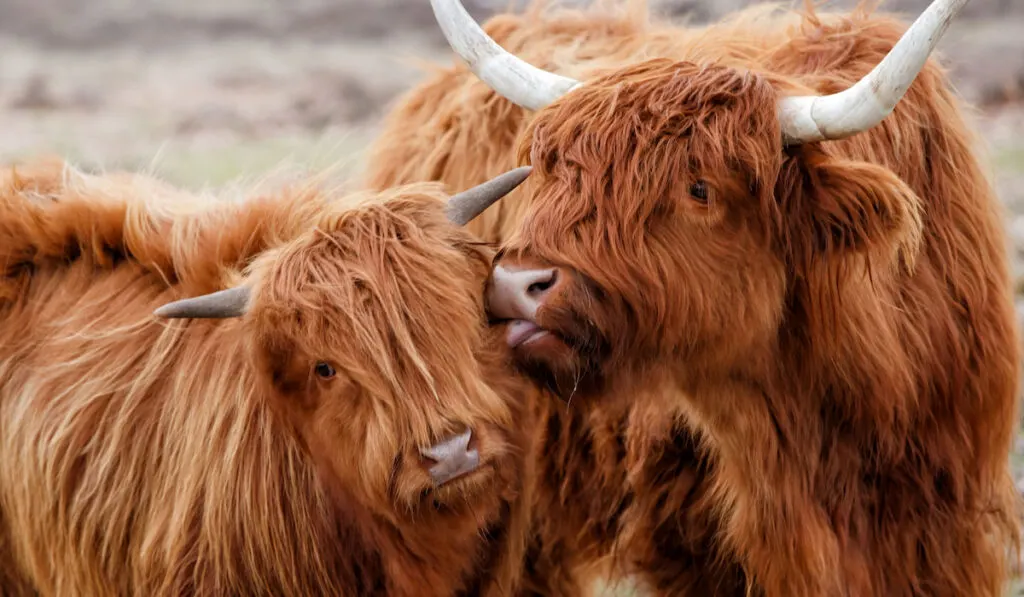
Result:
[[372, 331], [369, 331]]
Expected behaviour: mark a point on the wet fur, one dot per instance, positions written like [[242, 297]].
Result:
[[829, 458], [149, 457]]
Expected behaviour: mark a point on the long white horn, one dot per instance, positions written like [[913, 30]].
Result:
[[870, 100], [519, 82]]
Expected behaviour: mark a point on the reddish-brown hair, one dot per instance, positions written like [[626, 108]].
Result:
[[835, 320], [162, 458]]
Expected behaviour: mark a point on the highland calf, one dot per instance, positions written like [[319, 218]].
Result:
[[341, 421], [776, 229]]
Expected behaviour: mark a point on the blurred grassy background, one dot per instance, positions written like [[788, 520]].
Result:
[[206, 91]]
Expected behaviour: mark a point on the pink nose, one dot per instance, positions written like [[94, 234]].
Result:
[[516, 294]]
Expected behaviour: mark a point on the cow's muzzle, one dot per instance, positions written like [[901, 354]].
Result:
[[452, 458]]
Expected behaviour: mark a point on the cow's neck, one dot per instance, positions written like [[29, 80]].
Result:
[[440, 554], [769, 428], [429, 552]]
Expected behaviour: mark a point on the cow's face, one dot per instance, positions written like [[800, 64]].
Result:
[[371, 330], [668, 222]]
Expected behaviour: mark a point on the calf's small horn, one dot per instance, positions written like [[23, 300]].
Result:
[[514, 79], [870, 100], [461, 208], [222, 304], [468, 204]]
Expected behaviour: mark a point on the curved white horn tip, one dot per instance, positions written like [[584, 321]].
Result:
[[869, 101], [512, 78]]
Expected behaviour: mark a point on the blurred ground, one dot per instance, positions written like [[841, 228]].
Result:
[[208, 90], [203, 92]]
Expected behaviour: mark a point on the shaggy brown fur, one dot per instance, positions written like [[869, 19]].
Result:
[[835, 320], [581, 496], [434, 135], [206, 457]]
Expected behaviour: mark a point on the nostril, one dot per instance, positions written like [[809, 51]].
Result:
[[517, 293], [542, 286], [448, 450], [427, 461]]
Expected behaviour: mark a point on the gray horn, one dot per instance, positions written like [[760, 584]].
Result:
[[468, 204], [234, 302], [222, 304]]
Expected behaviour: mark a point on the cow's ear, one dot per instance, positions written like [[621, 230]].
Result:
[[833, 207]]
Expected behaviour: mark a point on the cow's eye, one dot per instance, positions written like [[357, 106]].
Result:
[[324, 370], [699, 191]]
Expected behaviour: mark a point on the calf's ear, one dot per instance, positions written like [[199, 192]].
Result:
[[833, 208]]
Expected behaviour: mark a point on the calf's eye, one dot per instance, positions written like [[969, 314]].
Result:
[[699, 191], [324, 370]]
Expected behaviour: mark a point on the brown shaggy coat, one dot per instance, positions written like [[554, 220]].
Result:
[[834, 321], [201, 457], [587, 454]]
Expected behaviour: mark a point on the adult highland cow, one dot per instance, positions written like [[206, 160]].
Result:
[[782, 219], [340, 422]]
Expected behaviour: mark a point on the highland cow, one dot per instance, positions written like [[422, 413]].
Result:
[[782, 220], [336, 418]]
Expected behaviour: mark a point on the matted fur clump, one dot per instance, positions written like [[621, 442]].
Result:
[[822, 336], [275, 453]]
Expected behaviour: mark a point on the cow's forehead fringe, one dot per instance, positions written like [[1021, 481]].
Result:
[[380, 285], [668, 122]]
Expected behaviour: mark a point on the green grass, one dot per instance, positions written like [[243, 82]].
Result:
[[214, 166], [1010, 160], [194, 163]]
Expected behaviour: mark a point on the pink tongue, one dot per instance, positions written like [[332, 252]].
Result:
[[519, 331]]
